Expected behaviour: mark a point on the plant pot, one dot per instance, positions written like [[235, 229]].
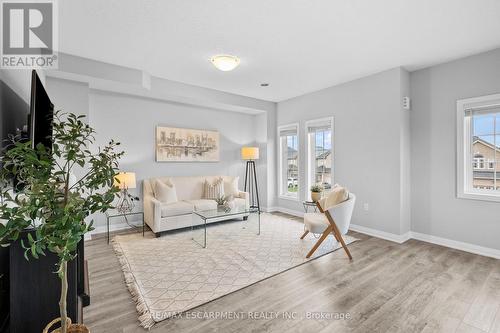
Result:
[[315, 196], [72, 328]]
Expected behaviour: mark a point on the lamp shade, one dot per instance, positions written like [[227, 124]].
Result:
[[125, 180], [250, 153]]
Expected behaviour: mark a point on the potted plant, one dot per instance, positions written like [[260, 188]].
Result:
[[53, 204], [316, 191]]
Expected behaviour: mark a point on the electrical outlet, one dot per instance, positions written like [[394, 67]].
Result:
[[366, 207]]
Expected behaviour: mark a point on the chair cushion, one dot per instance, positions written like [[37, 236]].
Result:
[[165, 193], [338, 195], [315, 222], [203, 204], [176, 208]]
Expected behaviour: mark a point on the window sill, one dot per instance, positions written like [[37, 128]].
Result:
[[479, 196], [281, 196]]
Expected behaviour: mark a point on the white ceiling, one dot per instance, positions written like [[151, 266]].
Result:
[[295, 46]]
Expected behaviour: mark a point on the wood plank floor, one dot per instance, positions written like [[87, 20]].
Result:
[[388, 287]]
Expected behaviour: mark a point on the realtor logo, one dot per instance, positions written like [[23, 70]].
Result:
[[29, 34]]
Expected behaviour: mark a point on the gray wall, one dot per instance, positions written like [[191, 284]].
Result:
[[435, 209], [132, 121], [19, 80], [367, 156]]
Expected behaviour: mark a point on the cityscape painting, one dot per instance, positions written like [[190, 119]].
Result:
[[186, 145]]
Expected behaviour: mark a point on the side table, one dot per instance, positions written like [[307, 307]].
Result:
[[308, 204], [114, 214]]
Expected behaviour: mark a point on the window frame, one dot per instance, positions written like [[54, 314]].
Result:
[[309, 169], [282, 195], [465, 159]]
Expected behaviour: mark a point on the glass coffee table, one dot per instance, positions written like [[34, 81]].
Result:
[[202, 218]]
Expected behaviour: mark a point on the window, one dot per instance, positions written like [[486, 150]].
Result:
[[478, 142], [319, 134], [289, 161]]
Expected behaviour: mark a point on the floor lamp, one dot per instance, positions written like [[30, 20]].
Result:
[[251, 154]]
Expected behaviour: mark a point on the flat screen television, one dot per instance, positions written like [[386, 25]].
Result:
[[41, 114], [31, 122]]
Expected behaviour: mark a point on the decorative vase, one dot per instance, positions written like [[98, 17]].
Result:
[[72, 328], [315, 196]]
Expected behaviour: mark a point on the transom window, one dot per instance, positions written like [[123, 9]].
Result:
[[289, 161], [478, 158]]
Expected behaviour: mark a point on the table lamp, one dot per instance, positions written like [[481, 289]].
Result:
[[124, 181], [251, 154]]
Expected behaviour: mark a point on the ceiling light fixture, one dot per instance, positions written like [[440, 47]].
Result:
[[225, 62]]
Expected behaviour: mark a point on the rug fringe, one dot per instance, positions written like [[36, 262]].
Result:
[[145, 316]]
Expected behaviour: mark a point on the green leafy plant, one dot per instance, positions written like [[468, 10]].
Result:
[[54, 203], [317, 188]]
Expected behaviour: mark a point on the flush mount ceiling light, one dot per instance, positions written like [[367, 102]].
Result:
[[225, 62]]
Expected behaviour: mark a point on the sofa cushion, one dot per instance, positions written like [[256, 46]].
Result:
[[176, 208], [165, 193], [203, 204]]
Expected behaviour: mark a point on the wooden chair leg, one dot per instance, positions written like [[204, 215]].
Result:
[[320, 240], [336, 237], [305, 234], [341, 240]]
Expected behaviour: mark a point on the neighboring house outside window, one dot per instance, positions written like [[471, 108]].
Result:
[[486, 172]]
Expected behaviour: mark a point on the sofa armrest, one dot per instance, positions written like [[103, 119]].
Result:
[[152, 212], [246, 196]]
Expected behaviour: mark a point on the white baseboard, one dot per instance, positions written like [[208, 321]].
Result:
[[289, 211], [269, 209], [467, 247], [381, 234]]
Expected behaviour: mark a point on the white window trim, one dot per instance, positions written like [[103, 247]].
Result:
[[464, 157], [308, 162], [280, 163]]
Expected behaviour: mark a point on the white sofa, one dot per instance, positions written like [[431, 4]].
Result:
[[163, 217]]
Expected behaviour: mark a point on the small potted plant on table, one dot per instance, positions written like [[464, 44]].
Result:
[[316, 191]]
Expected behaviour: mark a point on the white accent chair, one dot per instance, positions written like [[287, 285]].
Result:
[[330, 220]]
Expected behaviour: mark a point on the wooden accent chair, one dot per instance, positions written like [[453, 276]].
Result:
[[330, 220]]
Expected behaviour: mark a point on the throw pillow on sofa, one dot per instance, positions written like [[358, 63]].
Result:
[[213, 191], [231, 187], [165, 193]]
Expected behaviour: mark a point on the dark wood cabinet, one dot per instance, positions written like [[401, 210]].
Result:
[[35, 289], [4, 288]]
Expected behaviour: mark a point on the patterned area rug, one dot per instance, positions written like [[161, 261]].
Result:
[[173, 274]]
